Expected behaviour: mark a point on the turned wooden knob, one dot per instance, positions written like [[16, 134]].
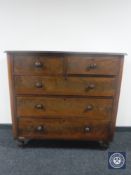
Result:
[[87, 129], [90, 86], [40, 128], [39, 106], [88, 108], [39, 85], [38, 64], [92, 66]]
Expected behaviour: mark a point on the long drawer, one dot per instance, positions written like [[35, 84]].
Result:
[[87, 86], [63, 129], [52, 107]]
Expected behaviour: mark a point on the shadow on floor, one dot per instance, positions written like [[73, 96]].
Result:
[[62, 144]]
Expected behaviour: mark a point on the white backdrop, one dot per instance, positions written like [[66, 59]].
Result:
[[67, 25]]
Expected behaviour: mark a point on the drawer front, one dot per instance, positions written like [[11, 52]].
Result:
[[99, 65], [59, 107], [38, 64], [63, 129], [89, 86]]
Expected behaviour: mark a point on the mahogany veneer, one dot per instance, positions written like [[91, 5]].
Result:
[[64, 95]]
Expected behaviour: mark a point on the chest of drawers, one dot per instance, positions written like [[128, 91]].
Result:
[[64, 95]]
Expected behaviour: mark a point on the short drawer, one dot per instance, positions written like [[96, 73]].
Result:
[[27, 64], [89, 86], [93, 65], [63, 129], [59, 107]]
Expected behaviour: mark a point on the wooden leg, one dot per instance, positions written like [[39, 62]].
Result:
[[104, 144], [22, 143]]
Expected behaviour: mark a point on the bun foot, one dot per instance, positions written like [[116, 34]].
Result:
[[21, 143], [104, 145]]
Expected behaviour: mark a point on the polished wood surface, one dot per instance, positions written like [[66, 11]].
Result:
[[89, 86], [80, 129], [12, 94], [25, 64], [57, 95], [93, 65], [57, 107]]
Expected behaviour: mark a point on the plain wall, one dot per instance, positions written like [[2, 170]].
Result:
[[67, 25]]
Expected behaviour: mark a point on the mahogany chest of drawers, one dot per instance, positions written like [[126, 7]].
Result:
[[64, 95]]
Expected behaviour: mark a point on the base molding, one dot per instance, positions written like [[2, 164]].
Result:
[[117, 129]]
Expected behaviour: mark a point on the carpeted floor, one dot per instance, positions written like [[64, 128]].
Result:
[[60, 158]]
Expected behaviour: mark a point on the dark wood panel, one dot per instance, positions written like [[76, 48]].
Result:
[[28, 64], [116, 98], [80, 129], [57, 107], [12, 94], [94, 65], [89, 86]]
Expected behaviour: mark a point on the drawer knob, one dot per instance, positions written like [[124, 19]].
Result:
[[87, 129], [39, 106], [92, 66], [38, 64], [39, 85], [40, 128], [89, 108], [90, 86]]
